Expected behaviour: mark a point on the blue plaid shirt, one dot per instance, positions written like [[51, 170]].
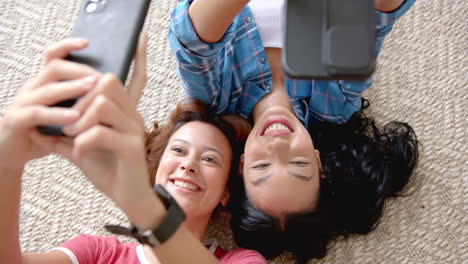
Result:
[[232, 75]]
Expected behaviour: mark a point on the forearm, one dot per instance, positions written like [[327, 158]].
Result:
[[146, 210], [388, 5], [10, 192], [211, 18]]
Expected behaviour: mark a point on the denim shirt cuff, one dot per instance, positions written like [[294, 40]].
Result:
[[389, 18]]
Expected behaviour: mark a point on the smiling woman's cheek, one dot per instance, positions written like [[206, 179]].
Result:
[[215, 178], [167, 166]]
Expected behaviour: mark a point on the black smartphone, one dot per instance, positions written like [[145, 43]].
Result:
[[329, 39], [112, 28]]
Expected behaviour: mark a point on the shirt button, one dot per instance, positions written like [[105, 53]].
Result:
[[267, 86], [262, 60], [248, 19]]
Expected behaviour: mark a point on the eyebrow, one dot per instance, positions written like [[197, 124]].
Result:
[[205, 147], [300, 176], [261, 179], [266, 176]]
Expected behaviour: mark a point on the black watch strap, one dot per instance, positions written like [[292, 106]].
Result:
[[168, 226]]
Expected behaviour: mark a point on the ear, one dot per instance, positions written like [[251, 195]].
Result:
[[226, 197], [241, 164], [319, 162]]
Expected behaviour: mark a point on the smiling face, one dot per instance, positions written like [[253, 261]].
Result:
[[281, 168], [195, 166]]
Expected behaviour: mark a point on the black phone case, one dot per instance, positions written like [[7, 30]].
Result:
[[329, 39], [112, 28]]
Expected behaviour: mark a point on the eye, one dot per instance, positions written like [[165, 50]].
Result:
[[177, 149], [210, 160], [300, 163], [261, 166]]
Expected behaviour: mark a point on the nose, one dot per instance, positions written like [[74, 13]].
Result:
[[189, 166], [279, 146]]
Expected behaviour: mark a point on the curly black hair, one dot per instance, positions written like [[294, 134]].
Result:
[[363, 166]]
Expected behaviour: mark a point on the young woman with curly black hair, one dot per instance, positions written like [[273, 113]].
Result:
[[362, 166], [314, 167]]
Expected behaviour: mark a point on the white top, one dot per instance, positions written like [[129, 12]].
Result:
[[269, 16]]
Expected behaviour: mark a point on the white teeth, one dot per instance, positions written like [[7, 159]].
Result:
[[186, 185], [277, 127]]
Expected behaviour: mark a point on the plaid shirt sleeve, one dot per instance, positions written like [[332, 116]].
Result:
[[199, 63], [385, 21], [353, 90]]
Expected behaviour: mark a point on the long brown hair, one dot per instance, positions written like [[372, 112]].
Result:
[[235, 128]]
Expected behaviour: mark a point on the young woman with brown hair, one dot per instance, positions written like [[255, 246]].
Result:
[[190, 159]]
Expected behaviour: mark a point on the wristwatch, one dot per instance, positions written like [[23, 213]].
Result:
[[168, 226]]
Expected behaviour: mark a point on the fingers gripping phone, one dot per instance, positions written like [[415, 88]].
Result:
[[330, 39], [112, 28]]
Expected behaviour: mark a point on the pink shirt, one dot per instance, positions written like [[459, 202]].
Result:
[[91, 249]]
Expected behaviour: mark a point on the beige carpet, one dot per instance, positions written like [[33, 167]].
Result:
[[421, 79]]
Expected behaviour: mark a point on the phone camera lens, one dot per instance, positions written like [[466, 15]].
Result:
[[91, 7]]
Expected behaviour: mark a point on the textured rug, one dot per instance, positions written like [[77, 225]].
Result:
[[421, 79]]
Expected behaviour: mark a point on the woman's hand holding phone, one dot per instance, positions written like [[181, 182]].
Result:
[[108, 139], [108, 144], [19, 140]]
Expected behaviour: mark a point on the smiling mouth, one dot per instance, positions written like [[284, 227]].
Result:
[[185, 185], [277, 127]]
